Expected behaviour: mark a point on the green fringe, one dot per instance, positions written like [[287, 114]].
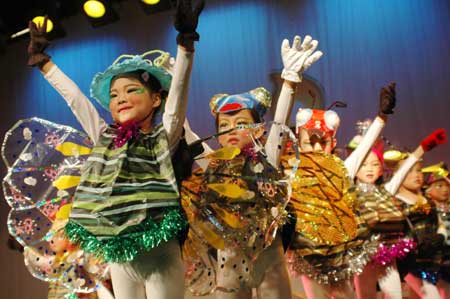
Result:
[[71, 296], [124, 248]]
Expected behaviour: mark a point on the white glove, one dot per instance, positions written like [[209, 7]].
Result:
[[298, 58]]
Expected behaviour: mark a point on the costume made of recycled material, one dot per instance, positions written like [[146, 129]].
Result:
[[443, 211], [234, 209], [150, 196], [375, 205], [435, 173], [44, 161], [423, 262], [145, 215], [127, 200], [331, 243]]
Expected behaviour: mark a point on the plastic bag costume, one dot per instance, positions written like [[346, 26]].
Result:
[[234, 209], [44, 161], [127, 199]]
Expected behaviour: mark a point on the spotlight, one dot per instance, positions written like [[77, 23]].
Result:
[[155, 6], [54, 28], [100, 12], [151, 2], [94, 9], [39, 21]]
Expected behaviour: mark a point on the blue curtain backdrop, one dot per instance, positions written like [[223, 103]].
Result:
[[366, 45]]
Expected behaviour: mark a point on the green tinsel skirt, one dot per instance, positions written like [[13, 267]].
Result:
[[129, 244]]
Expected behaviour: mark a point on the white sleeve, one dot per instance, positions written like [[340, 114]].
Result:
[[397, 179], [274, 145], [176, 104], [80, 105], [356, 158]]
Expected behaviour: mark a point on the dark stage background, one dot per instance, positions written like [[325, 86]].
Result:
[[366, 45]]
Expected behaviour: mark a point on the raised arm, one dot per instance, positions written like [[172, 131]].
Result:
[[295, 61], [80, 105], [186, 21], [428, 143], [386, 106]]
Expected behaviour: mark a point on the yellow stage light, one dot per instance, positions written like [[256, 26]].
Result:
[[39, 21], [94, 8], [151, 2]]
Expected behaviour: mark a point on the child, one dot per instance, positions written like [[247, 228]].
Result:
[[59, 264], [235, 207], [375, 205], [423, 265], [437, 189], [126, 208], [329, 243]]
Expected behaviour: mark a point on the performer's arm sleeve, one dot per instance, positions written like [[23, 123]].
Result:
[[274, 146], [80, 105], [176, 105], [397, 179], [354, 161]]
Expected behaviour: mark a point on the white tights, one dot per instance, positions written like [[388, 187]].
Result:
[[270, 278], [388, 279], [156, 274], [423, 288]]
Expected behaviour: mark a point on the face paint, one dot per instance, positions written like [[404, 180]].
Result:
[[140, 91], [131, 101]]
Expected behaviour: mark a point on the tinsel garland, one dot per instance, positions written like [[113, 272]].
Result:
[[342, 266], [124, 248], [124, 133], [387, 254]]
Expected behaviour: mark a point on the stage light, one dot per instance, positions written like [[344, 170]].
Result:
[[155, 6], [39, 21], [100, 12], [94, 8], [151, 2], [54, 28]]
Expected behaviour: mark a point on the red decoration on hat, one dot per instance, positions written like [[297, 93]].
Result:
[[230, 107]]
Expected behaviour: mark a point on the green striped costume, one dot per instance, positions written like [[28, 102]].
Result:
[[127, 201]]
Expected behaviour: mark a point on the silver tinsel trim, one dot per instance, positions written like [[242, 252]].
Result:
[[340, 266]]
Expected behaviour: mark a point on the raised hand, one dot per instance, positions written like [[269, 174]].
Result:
[[299, 57], [387, 99], [439, 136], [38, 44], [186, 21]]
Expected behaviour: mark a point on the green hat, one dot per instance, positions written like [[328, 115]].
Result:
[[101, 83]]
